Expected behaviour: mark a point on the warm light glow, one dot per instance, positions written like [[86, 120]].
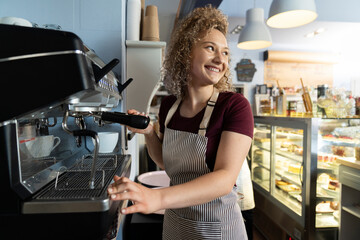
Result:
[[252, 45], [314, 33], [289, 19]]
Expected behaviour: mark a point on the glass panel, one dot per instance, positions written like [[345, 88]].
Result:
[[35, 147], [288, 161], [261, 156], [336, 141]]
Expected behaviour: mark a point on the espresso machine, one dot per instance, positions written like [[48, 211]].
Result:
[[57, 94]]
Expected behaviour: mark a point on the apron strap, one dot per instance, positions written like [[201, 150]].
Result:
[[172, 111], [208, 111], [207, 115]]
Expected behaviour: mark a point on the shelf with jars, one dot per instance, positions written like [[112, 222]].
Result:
[[295, 171], [307, 102]]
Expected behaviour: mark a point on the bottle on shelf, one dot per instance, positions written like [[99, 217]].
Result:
[[321, 92], [281, 102], [306, 99], [351, 107]]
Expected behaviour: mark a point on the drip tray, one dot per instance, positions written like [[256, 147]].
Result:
[[73, 183]]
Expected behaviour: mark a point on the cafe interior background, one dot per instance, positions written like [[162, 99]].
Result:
[[102, 26], [335, 34]]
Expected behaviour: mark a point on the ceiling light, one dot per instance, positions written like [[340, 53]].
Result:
[[314, 33], [310, 35], [320, 30], [237, 29], [291, 13], [255, 34]]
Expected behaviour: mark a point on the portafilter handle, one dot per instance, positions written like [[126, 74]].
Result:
[[135, 121]]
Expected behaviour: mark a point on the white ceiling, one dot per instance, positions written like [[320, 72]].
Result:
[[328, 10], [341, 19]]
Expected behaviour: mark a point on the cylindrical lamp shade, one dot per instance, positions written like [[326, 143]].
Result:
[[255, 34], [291, 13]]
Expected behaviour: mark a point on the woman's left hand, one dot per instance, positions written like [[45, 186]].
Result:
[[145, 200]]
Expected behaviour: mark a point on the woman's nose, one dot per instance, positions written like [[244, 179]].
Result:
[[219, 57]]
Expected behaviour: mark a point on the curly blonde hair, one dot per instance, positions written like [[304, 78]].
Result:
[[177, 64]]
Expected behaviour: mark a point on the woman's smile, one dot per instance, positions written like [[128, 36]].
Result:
[[210, 58], [213, 69]]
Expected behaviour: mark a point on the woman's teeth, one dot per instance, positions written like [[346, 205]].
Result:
[[213, 69]]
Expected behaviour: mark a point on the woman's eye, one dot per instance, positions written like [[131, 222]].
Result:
[[210, 48], [226, 53]]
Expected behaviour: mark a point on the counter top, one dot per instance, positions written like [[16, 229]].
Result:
[[353, 164]]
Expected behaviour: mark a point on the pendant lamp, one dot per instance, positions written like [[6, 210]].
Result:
[[255, 34], [291, 13]]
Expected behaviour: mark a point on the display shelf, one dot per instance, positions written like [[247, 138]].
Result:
[[288, 178], [144, 61], [326, 170], [299, 152], [350, 200], [290, 135], [288, 155], [162, 93], [326, 220], [262, 166], [289, 202], [352, 210], [261, 147], [340, 142], [322, 197]]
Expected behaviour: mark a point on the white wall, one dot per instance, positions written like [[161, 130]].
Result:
[[256, 58], [341, 38], [346, 73], [97, 23]]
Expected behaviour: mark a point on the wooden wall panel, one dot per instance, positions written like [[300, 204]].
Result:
[[288, 67], [289, 74]]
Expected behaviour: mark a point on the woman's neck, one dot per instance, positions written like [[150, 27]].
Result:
[[195, 100]]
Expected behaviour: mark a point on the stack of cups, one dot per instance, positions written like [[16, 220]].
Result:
[[150, 31]]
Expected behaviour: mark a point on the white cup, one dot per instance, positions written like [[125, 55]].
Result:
[[42, 146], [108, 141], [15, 21]]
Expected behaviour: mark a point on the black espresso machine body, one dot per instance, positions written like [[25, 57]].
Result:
[[55, 93]]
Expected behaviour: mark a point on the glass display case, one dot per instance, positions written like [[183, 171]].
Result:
[[295, 172]]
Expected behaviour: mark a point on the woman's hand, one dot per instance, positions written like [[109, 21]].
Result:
[[145, 131], [145, 200], [153, 141]]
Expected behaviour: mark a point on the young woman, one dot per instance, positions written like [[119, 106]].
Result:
[[205, 135]]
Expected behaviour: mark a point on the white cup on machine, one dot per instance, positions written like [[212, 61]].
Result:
[[42, 146], [15, 21], [108, 141]]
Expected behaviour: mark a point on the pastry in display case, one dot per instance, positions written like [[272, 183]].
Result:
[[336, 140], [261, 156], [296, 174], [288, 167]]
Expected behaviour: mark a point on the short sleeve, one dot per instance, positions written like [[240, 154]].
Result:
[[239, 117]]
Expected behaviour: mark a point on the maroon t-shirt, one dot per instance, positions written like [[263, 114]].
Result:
[[232, 112]]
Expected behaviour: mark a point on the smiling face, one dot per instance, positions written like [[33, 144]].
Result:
[[210, 58]]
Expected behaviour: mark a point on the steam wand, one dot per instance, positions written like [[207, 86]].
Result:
[[84, 132]]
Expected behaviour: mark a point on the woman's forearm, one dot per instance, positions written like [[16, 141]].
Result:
[[154, 147], [198, 191]]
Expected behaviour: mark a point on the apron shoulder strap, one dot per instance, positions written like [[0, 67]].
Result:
[[208, 111], [172, 111], [207, 115]]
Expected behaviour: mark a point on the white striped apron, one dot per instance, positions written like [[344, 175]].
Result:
[[184, 157]]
